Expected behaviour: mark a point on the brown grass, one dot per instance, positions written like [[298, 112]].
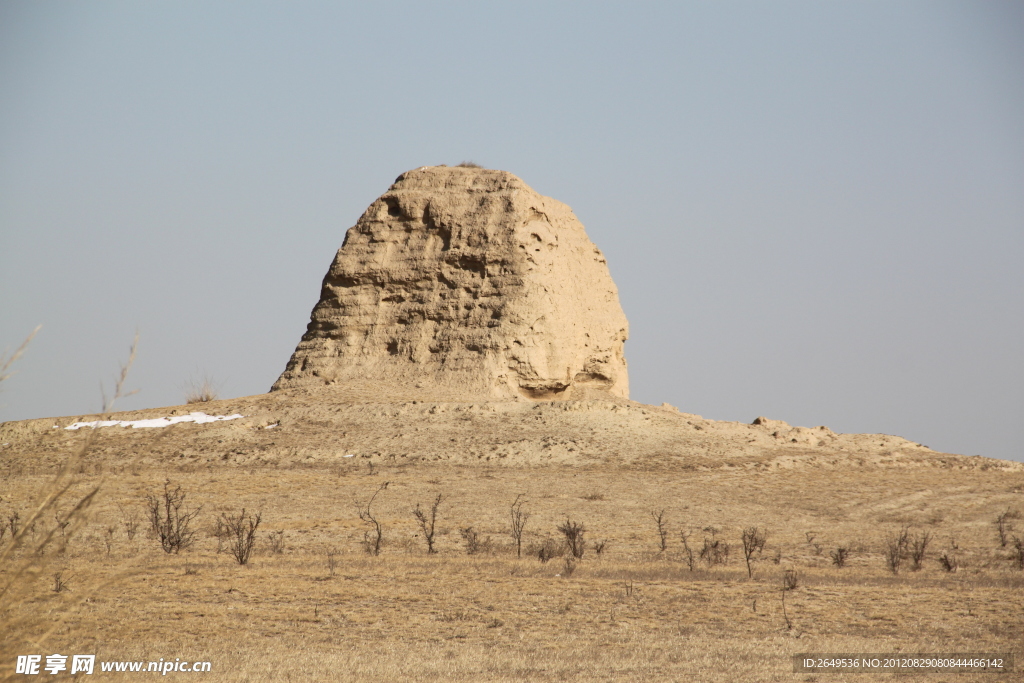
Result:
[[40, 553], [411, 615], [202, 390]]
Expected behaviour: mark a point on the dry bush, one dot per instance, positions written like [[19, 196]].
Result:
[[918, 547], [1004, 526], [790, 581], [600, 547], [468, 164], [475, 544], [108, 538], [548, 549], [14, 523], [840, 555], [200, 390], [573, 533], [662, 528], [715, 550], [373, 537], [332, 559], [518, 523], [753, 543], [428, 522], [130, 522], [810, 536], [688, 556], [1018, 552], [241, 534], [948, 561], [170, 520], [220, 532], [568, 567], [60, 581], [275, 540], [895, 549]]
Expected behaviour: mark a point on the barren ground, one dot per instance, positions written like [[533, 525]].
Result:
[[631, 612]]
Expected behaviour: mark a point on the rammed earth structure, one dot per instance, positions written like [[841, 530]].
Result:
[[464, 283]]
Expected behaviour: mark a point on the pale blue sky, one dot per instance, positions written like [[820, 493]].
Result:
[[813, 211]]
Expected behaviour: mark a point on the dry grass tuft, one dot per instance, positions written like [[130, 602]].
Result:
[[201, 390]]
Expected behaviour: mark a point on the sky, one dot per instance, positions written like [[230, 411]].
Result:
[[813, 211]]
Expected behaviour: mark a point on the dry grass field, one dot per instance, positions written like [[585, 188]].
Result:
[[319, 607]]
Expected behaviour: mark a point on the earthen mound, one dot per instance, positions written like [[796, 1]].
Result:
[[464, 282]]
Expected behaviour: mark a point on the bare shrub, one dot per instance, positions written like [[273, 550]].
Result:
[[573, 533], [61, 523], [715, 550], [569, 567], [1018, 552], [592, 497], [810, 536], [428, 522], [548, 549], [688, 556], [60, 581], [242, 534], [474, 544], [918, 547], [14, 523], [753, 544], [200, 390], [600, 547], [332, 559], [468, 164], [518, 523], [373, 537], [948, 561], [662, 528], [895, 549], [171, 520], [130, 522], [840, 555], [1004, 526], [220, 532], [275, 539], [790, 581]]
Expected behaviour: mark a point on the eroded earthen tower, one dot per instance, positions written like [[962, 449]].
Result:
[[465, 283]]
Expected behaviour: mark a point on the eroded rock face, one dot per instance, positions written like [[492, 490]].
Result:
[[465, 282]]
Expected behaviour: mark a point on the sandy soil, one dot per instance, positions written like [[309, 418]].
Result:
[[631, 612]]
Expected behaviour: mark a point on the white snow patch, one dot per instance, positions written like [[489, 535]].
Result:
[[198, 418], [272, 426], [351, 455]]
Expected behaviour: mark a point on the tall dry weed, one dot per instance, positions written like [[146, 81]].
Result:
[[37, 547]]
